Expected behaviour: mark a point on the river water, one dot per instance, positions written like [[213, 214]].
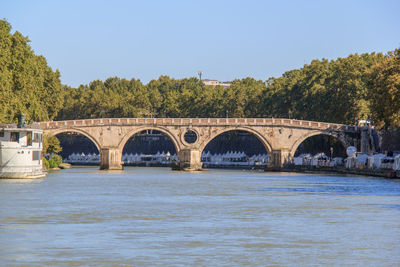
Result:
[[155, 216]]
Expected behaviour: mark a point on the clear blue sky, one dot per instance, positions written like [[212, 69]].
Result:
[[89, 40]]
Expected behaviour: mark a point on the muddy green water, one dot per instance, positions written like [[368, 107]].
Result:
[[158, 217]]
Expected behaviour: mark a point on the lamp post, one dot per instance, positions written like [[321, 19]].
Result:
[[200, 73]]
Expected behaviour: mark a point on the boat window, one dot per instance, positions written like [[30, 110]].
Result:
[[29, 138], [1, 133], [36, 155], [37, 137], [14, 137]]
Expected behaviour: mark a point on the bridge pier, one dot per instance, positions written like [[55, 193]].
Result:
[[110, 159], [280, 158], [189, 159]]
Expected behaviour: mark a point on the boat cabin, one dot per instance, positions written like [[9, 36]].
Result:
[[20, 151]]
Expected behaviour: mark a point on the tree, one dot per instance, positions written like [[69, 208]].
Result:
[[340, 91], [114, 97], [385, 90], [51, 145], [332, 91], [27, 84]]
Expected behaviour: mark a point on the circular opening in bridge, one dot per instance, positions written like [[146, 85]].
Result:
[[78, 149], [190, 137], [149, 148], [237, 149], [330, 146]]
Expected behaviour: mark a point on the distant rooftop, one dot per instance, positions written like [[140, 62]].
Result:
[[210, 82]]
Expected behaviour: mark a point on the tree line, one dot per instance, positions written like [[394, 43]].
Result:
[[342, 91], [27, 84]]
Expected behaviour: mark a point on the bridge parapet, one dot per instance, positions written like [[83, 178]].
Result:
[[198, 122]]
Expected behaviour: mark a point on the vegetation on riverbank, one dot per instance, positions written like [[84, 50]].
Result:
[[50, 147], [54, 162]]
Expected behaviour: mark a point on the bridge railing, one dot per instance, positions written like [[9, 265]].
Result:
[[197, 122]]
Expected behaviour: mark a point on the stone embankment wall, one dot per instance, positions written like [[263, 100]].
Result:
[[389, 140]]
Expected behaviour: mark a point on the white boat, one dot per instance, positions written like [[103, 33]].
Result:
[[21, 151], [396, 164]]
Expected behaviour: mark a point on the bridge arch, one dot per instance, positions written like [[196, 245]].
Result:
[[75, 130], [257, 134], [131, 133], [315, 133]]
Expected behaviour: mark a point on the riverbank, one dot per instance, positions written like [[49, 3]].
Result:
[[301, 169], [339, 170]]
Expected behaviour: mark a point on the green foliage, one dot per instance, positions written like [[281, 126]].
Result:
[[45, 163], [334, 91], [51, 145], [27, 83], [385, 93], [53, 162], [164, 97], [113, 98], [57, 159]]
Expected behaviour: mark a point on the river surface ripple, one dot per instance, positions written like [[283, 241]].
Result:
[[158, 217]]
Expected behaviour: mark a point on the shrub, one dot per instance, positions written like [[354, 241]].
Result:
[[45, 163], [57, 159], [53, 162]]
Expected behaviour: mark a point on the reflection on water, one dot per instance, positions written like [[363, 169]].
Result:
[[150, 216], [338, 186]]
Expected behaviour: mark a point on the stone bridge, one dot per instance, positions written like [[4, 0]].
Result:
[[281, 137]]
